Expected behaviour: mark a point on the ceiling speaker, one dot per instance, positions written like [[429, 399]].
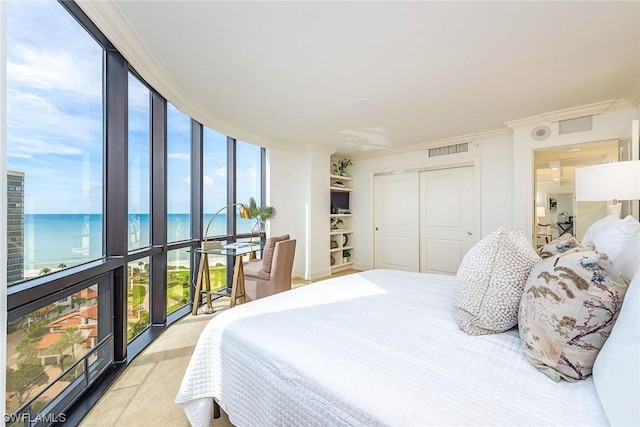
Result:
[[540, 132]]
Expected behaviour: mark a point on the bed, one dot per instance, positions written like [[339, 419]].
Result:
[[374, 348]]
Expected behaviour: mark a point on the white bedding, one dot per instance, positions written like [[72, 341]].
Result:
[[375, 348]]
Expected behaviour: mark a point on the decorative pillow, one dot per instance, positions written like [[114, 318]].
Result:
[[616, 372], [620, 240], [597, 227], [568, 307], [558, 246], [489, 282], [269, 249]]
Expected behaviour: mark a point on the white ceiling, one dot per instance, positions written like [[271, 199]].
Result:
[[356, 77]]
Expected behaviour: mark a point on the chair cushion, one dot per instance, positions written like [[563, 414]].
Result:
[[254, 269], [269, 248]]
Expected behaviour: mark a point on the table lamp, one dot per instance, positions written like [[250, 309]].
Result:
[[609, 181], [211, 244]]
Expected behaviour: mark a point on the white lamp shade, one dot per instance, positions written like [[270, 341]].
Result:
[[608, 181], [540, 211]]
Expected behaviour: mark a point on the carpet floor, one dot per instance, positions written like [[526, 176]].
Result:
[[144, 393]]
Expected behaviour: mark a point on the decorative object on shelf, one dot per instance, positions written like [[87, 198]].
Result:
[[333, 260], [345, 239], [337, 223], [340, 167], [207, 244], [334, 244], [260, 213], [346, 254]]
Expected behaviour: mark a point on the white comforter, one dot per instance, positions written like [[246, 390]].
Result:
[[375, 348]]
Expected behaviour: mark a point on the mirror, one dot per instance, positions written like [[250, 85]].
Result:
[[554, 189]]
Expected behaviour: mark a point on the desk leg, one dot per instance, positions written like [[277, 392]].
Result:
[[198, 293], [237, 287], [207, 284]]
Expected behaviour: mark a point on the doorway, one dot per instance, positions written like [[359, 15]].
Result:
[[557, 212]]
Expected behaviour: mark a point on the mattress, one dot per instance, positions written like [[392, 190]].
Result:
[[379, 347]]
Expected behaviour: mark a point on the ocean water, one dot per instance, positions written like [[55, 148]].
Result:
[[72, 239]]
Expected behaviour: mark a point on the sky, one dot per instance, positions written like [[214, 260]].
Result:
[[55, 124]]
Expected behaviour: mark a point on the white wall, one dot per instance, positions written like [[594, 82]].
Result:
[[612, 124], [298, 187], [491, 155]]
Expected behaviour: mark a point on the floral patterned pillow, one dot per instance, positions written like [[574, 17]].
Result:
[[558, 246], [569, 305]]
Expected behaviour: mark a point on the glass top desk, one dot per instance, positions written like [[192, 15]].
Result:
[[203, 281]]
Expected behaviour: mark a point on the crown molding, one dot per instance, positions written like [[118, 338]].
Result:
[[568, 113], [582, 111], [634, 94], [433, 144]]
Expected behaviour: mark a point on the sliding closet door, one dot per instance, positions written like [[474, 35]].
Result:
[[446, 218], [396, 221]]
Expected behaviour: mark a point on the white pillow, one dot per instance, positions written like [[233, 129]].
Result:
[[616, 372], [490, 280], [620, 240], [597, 227]]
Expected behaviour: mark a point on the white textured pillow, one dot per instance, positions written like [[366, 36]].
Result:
[[490, 280], [616, 372], [620, 240]]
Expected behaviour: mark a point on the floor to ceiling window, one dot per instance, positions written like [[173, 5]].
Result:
[[214, 180], [54, 134], [178, 175], [139, 134], [249, 179], [110, 188]]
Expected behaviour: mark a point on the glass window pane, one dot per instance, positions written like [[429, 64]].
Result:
[[178, 175], [248, 175], [178, 279], [54, 140], [46, 343], [137, 297], [139, 169], [214, 182]]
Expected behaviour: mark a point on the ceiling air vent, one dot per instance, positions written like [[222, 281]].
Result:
[[580, 124], [449, 149]]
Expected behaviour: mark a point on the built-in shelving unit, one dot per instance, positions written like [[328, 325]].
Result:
[[340, 234]]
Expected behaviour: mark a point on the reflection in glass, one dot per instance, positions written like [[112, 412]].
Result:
[[139, 169], [248, 176], [54, 140], [137, 297], [178, 175], [214, 181], [178, 279], [49, 342]]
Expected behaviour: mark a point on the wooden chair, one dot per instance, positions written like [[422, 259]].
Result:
[[272, 273]]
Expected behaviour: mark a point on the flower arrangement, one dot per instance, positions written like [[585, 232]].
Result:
[[340, 167]]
